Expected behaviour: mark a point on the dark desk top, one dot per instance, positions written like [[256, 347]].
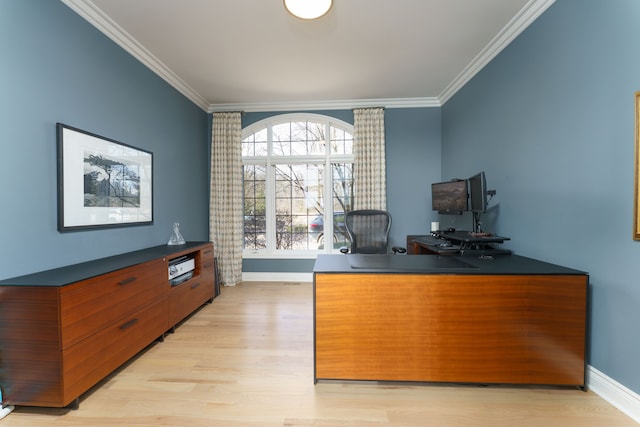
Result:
[[435, 264], [77, 272]]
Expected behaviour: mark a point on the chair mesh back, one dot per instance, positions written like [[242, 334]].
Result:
[[368, 231]]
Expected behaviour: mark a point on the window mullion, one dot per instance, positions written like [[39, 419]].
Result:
[[328, 193], [270, 201], [270, 205]]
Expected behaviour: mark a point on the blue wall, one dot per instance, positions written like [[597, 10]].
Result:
[[412, 137], [56, 67], [551, 121]]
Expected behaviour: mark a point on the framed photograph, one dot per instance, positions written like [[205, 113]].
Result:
[[101, 182], [636, 200]]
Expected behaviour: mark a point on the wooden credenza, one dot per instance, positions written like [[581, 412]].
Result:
[[508, 320], [64, 330]]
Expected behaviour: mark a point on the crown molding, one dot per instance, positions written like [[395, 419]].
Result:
[[91, 13], [529, 13], [326, 105]]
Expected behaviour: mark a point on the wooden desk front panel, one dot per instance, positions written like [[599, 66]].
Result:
[[451, 328]]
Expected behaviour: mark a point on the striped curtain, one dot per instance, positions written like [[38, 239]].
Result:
[[225, 201], [369, 176]]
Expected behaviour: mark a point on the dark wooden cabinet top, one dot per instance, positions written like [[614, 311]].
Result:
[[434, 264], [74, 273]]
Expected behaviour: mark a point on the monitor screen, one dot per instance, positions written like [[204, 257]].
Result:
[[449, 197], [478, 193]]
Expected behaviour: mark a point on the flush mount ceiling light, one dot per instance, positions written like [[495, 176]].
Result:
[[308, 9]]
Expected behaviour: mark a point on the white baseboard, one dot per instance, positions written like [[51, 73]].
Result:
[[615, 393], [277, 277]]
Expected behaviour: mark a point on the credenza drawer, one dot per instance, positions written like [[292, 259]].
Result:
[[208, 257], [90, 305], [188, 296], [90, 360], [208, 263]]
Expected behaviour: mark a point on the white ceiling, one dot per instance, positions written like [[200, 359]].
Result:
[[252, 55]]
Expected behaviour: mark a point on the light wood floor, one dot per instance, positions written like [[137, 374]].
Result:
[[247, 360]]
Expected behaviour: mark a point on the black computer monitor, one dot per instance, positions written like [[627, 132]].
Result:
[[450, 197], [478, 193]]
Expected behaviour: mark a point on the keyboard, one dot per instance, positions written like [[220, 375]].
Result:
[[437, 243], [430, 240]]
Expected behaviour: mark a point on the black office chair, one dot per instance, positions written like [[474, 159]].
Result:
[[368, 231]]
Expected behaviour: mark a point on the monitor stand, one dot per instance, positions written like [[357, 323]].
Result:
[[476, 223]]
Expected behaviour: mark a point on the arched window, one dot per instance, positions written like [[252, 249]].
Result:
[[298, 183]]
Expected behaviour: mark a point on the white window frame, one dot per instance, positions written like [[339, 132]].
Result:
[[327, 159]]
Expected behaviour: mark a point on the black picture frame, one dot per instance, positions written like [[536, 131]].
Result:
[[102, 183]]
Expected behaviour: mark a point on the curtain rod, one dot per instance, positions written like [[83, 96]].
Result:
[[370, 108], [240, 112]]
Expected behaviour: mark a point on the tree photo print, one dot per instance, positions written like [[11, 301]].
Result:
[[110, 183], [102, 182]]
